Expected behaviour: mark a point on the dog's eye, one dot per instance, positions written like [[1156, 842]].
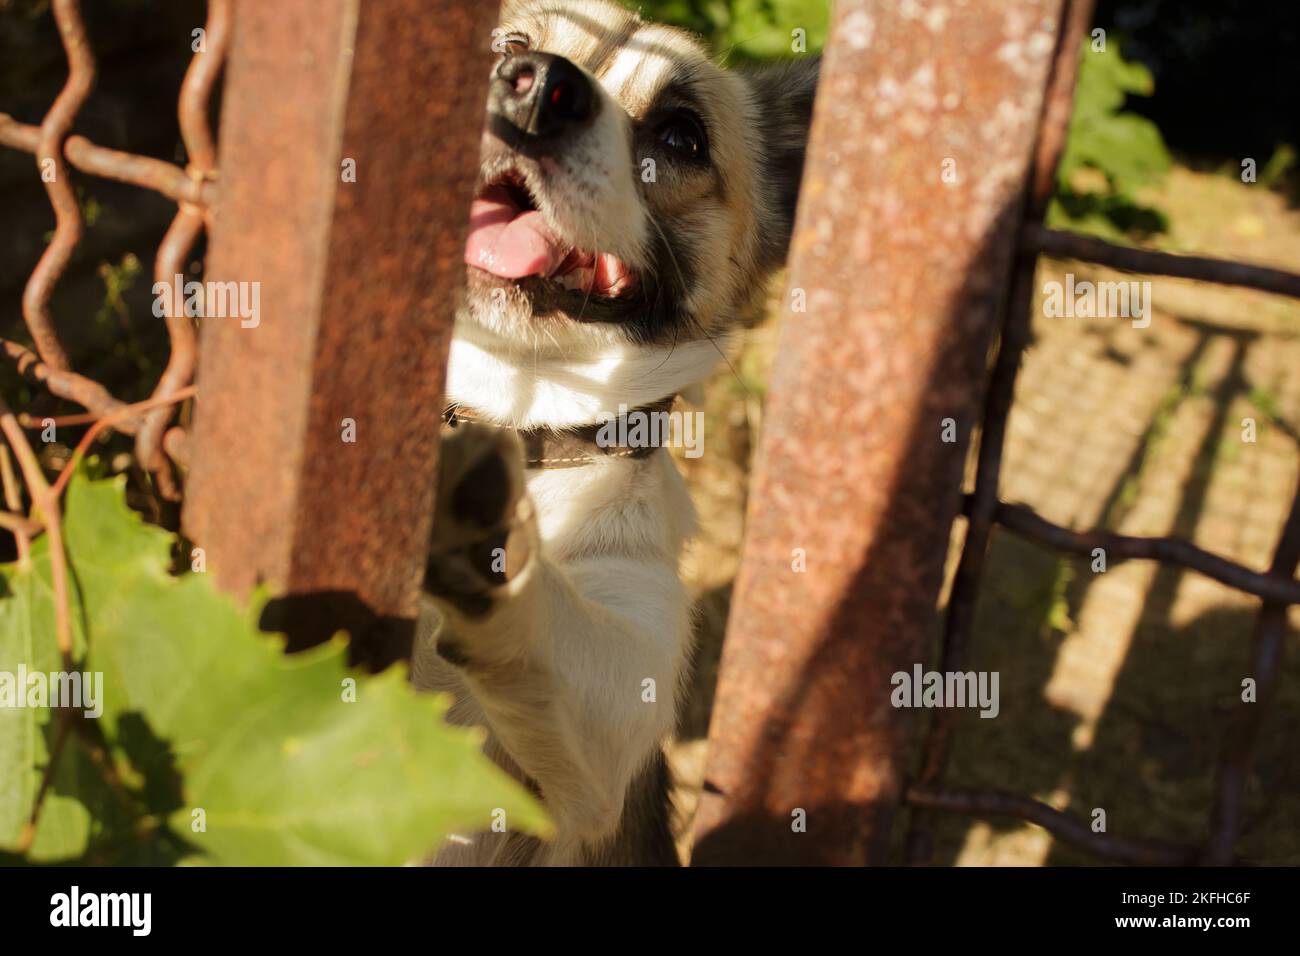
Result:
[[509, 42], [683, 133]]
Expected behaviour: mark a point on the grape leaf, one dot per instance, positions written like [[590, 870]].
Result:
[[245, 754], [27, 644]]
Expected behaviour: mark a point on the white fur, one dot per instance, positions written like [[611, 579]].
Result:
[[550, 389], [601, 609]]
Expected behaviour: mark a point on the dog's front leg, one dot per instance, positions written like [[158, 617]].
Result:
[[575, 667]]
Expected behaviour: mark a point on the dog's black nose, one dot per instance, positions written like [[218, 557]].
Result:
[[541, 94]]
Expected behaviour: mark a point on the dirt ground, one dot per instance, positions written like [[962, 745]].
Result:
[[1115, 686]]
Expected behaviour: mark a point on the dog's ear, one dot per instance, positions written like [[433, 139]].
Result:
[[783, 103]]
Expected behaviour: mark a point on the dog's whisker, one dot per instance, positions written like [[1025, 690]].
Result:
[[720, 58]]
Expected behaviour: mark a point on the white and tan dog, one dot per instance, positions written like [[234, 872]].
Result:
[[633, 196]]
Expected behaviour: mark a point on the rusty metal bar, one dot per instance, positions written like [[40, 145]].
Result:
[[196, 92], [1239, 750], [1016, 331], [358, 282], [1066, 827], [77, 388], [169, 263], [1058, 105], [1069, 245], [1028, 524], [54, 173], [853, 478], [143, 171]]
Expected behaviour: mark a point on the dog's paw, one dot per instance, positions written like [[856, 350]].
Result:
[[483, 536]]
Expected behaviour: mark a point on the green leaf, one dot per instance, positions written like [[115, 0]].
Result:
[[27, 644], [1127, 148], [744, 29], [202, 712]]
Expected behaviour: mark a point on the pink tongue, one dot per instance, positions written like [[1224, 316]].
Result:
[[508, 243]]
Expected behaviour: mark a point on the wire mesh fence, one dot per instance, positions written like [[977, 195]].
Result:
[[191, 187], [354, 94]]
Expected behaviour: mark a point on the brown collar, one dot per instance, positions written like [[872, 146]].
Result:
[[572, 446]]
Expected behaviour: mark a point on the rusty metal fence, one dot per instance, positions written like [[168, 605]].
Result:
[[802, 718], [1277, 588], [192, 188], [352, 154], [790, 726]]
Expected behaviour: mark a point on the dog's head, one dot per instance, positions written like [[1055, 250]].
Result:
[[631, 190]]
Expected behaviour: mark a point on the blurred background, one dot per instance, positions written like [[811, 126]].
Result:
[[1115, 687]]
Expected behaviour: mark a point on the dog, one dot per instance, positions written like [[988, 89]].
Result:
[[633, 197]]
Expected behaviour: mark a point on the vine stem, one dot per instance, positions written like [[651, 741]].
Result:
[[46, 503], [14, 502], [18, 523], [107, 421], [28, 834]]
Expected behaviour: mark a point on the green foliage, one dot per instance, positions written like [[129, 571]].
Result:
[[201, 711], [1058, 620], [1127, 150], [745, 29], [1266, 401], [1124, 146], [1280, 165], [118, 280]]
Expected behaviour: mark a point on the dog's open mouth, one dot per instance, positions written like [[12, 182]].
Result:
[[509, 237]]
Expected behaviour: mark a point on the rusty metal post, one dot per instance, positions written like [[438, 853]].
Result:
[[917, 167], [348, 151], [1017, 327]]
